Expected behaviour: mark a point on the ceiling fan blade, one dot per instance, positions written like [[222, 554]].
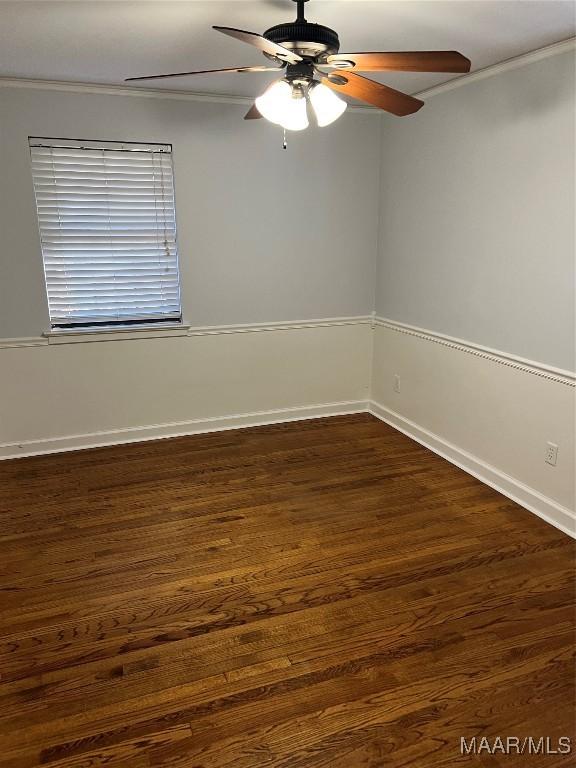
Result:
[[406, 61], [207, 71], [382, 96], [264, 45], [252, 113]]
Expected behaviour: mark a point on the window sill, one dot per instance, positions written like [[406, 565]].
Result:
[[83, 335]]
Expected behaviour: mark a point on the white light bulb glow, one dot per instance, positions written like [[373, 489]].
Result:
[[282, 106], [326, 104]]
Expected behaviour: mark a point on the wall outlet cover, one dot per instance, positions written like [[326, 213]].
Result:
[[551, 455]]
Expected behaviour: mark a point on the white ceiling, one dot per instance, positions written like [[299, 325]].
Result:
[[104, 42]]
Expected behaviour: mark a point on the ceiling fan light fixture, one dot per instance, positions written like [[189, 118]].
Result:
[[284, 104], [327, 106], [304, 49]]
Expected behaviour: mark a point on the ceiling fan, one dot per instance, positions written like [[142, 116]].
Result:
[[314, 71]]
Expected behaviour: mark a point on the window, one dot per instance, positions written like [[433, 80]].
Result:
[[108, 232]]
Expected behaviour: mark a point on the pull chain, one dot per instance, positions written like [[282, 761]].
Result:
[[284, 144]]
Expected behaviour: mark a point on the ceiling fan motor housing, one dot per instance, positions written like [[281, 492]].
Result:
[[306, 39]]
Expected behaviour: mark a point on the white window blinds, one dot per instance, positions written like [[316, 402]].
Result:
[[108, 232]]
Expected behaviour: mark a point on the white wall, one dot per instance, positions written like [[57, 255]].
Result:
[[264, 234], [477, 213], [71, 395], [490, 415], [477, 243]]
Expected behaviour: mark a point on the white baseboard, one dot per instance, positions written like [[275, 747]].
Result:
[[178, 429], [549, 510], [546, 508]]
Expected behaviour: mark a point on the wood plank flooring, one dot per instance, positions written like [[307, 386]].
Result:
[[321, 594]]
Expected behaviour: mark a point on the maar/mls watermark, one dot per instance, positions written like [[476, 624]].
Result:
[[515, 745]]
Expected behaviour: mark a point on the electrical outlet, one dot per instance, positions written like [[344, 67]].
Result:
[[396, 383], [551, 455]]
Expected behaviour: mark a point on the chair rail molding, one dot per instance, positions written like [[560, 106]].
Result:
[[534, 367], [83, 336], [342, 381]]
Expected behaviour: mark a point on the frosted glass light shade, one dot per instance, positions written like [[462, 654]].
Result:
[[272, 103], [326, 104], [295, 115], [283, 107]]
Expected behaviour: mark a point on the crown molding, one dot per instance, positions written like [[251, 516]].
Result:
[[120, 90], [155, 93], [504, 66], [143, 93]]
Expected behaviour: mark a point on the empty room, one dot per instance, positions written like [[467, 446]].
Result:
[[287, 384]]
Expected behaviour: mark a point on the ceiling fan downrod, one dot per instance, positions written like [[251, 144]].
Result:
[[300, 16]]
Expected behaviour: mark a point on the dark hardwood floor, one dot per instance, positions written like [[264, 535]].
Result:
[[323, 594]]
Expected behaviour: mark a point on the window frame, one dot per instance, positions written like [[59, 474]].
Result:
[[122, 327]]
